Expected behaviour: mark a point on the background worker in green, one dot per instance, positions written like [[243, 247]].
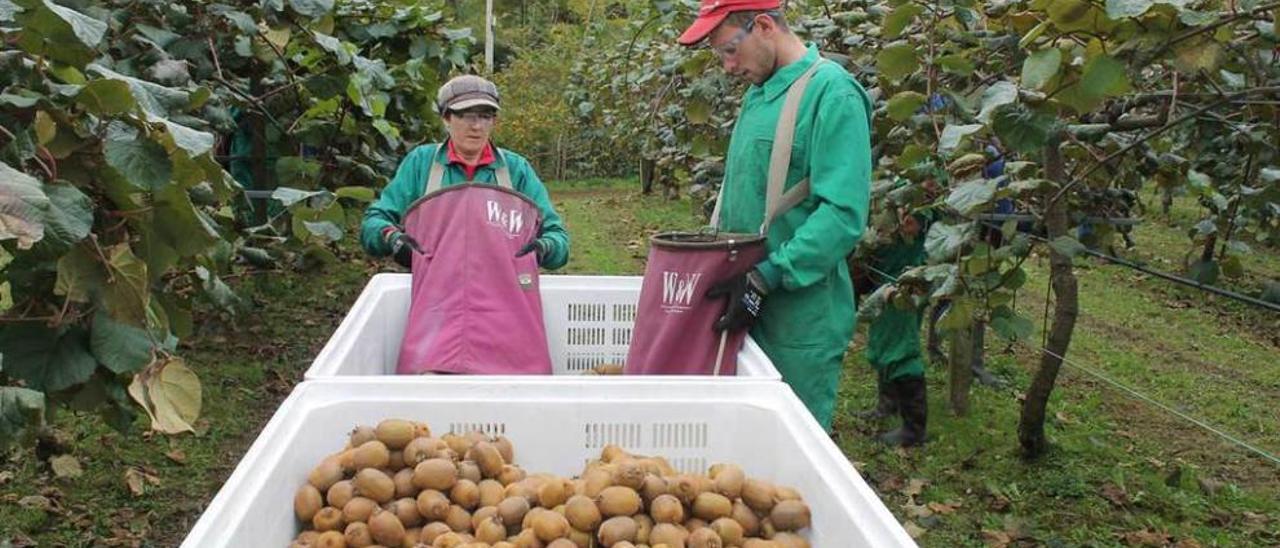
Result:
[[893, 338], [801, 293], [469, 106]]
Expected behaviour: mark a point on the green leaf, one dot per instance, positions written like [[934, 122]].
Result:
[[46, 128], [311, 8], [944, 242], [1022, 129], [1232, 267], [1072, 15], [1066, 245], [290, 196], [953, 134], [1200, 53], [70, 215], [698, 112], [896, 62], [156, 100], [193, 142], [971, 197], [1103, 76], [334, 46], [904, 105], [46, 359], [1205, 272], [22, 207], [1033, 34], [59, 32], [1040, 67], [997, 95], [126, 295], [142, 162], [21, 415], [106, 97], [357, 193], [956, 64], [1117, 9], [216, 290], [243, 21], [1013, 326], [257, 257], [180, 226], [898, 20], [171, 395], [325, 230], [958, 315], [118, 346]]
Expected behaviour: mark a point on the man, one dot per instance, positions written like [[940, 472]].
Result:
[[799, 301], [473, 223]]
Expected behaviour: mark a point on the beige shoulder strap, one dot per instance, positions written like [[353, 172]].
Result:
[[435, 178], [502, 174]]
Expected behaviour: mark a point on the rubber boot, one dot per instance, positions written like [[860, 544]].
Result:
[[913, 406], [885, 407]]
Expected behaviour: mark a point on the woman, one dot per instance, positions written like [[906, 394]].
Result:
[[473, 223]]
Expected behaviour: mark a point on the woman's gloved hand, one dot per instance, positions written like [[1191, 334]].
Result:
[[540, 246], [402, 247], [746, 294]]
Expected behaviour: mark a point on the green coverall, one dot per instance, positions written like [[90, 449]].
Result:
[[411, 180], [808, 317], [893, 339]]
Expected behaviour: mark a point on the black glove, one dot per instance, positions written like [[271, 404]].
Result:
[[402, 248], [746, 294], [540, 246]]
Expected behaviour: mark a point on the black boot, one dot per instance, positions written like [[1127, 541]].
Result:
[[887, 406], [913, 405]]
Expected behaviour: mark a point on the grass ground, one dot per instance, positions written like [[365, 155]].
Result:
[[1122, 472]]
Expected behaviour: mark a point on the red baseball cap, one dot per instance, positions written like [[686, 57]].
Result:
[[712, 12]]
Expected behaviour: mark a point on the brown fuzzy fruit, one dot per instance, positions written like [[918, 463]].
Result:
[[783, 492], [327, 519], [374, 484], [597, 480], [488, 457], [685, 488], [362, 434], [490, 531], [654, 486], [372, 454], [612, 453], [745, 517], [527, 539], [644, 526], [306, 502], [331, 539], [406, 510], [582, 513], [358, 509], [729, 530], [358, 535], [728, 481], [758, 494], [619, 501], [671, 535], [511, 474], [458, 444], [554, 492], [788, 539], [421, 429], [403, 481], [693, 524], [513, 509], [452, 540], [340, 494], [712, 506], [491, 492], [396, 463], [760, 543], [465, 494], [459, 519], [667, 509], [386, 528], [629, 474], [469, 470], [433, 530], [437, 474], [617, 529], [562, 543], [432, 505], [324, 475], [394, 433], [705, 538], [550, 526], [505, 448], [790, 515], [420, 449], [482, 514]]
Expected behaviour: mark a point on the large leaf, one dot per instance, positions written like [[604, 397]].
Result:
[[905, 104], [171, 395], [311, 8], [126, 294], [70, 215], [290, 196], [21, 414], [958, 315], [898, 20], [1066, 245], [953, 134], [142, 162], [1040, 67], [156, 100], [1205, 272], [971, 197], [896, 62], [1022, 129], [698, 112], [59, 33], [22, 207], [997, 95], [1117, 9], [46, 359], [1103, 76], [944, 241], [120, 347], [1012, 326], [180, 226]]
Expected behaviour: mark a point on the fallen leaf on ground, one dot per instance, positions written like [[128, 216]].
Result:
[[36, 501], [914, 487], [66, 466], [1114, 493], [1145, 537], [944, 508], [913, 530], [177, 455], [996, 539], [137, 479], [917, 511]]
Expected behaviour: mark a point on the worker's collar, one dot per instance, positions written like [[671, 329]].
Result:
[[486, 156], [781, 80]]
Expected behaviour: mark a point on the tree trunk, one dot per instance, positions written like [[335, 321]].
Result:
[[1166, 200], [1065, 309], [646, 175], [961, 369]]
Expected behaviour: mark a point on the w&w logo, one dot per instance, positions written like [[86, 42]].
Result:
[[511, 220], [678, 290]]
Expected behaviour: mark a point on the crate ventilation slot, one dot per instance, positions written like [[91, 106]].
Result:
[[625, 435]]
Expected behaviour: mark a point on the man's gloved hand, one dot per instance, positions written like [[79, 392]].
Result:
[[402, 247], [746, 295], [540, 246]]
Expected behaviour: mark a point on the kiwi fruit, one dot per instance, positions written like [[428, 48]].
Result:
[[510, 474], [411, 537], [790, 515], [394, 433], [617, 529], [712, 506], [729, 530], [340, 493], [420, 449], [503, 544], [582, 513], [433, 530], [465, 494], [457, 444], [362, 434], [554, 492], [459, 519], [490, 531], [331, 539], [613, 453], [728, 481], [624, 544], [758, 494], [395, 462], [386, 528], [745, 517], [693, 524], [654, 486], [327, 519], [358, 535], [406, 509], [782, 492], [488, 457], [358, 509], [403, 481], [788, 539], [374, 484], [432, 505], [324, 475], [685, 488], [666, 509], [521, 489], [619, 501], [705, 538], [491, 492], [596, 481], [644, 526], [482, 514], [306, 502], [505, 448], [562, 543], [759, 543], [671, 535], [767, 530], [629, 474], [371, 454], [582, 539], [438, 474], [450, 540], [549, 526], [421, 429], [513, 509], [469, 470]]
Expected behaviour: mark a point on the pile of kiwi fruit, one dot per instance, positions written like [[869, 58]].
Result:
[[395, 485]]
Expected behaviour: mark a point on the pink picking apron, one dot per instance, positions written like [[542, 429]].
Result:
[[475, 307], [674, 330]]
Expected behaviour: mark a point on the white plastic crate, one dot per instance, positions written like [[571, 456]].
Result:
[[556, 425], [588, 321]]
